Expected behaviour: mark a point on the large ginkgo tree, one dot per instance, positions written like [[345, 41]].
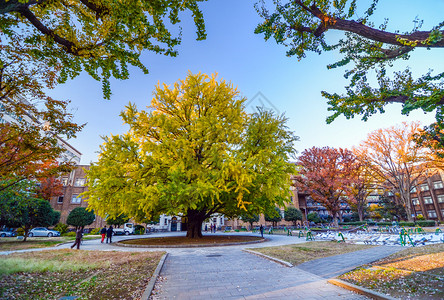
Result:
[[194, 152]]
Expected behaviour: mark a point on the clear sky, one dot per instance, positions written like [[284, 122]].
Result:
[[238, 55]]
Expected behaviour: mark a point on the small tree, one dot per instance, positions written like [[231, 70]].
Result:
[[292, 214], [249, 218], [80, 217], [117, 221], [273, 216], [313, 217], [389, 209], [20, 208]]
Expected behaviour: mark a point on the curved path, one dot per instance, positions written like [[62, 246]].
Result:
[[230, 273]]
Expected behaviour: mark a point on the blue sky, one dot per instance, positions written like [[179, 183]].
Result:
[[238, 55]]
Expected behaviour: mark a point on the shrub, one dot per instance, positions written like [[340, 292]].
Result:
[[139, 229], [426, 223], [420, 217], [62, 228], [72, 233], [95, 231], [20, 232], [353, 223]]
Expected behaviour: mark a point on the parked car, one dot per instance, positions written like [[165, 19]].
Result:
[[42, 231], [7, 233]]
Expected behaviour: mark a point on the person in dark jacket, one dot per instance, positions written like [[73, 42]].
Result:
[[109, 234], [79, 236], [103, 233], [261, 229]]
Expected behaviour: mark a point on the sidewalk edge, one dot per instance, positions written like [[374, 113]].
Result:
[[149, 288], [277, 260], [360, 290]]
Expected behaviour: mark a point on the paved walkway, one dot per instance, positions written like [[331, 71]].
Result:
[[234, 274], [339, 264], [229, 273]]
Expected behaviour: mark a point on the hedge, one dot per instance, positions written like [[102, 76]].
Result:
[[425, 223], [358, 223]]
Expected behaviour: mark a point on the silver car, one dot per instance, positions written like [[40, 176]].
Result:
[[42, 231], [5, 233]]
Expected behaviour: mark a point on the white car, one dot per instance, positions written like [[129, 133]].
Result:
[[42, 231]]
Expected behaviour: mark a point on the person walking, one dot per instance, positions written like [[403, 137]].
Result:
[[261, 229], [103, 233], [109, 234], [78, 238]]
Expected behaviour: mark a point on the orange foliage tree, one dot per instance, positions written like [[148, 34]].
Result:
[[324, 173], [394, 160], [27, 145], [360, 186], [50, 186]]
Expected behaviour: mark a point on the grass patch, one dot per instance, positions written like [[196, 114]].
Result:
[[300, 253], [9, 244], [86, 274], [414, 273], [206, 240], [15, 265]]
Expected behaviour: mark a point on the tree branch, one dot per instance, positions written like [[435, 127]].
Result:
[[70, 47], [418, 38]]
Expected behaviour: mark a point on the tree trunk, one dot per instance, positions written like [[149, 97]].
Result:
[[361, 213], [408, 207], [194, 226], [26, 228], [335, 219]]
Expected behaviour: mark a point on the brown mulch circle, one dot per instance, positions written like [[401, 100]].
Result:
[[182, 241]]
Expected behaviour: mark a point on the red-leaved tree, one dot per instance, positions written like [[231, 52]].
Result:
[[324, 174], [50, 186]]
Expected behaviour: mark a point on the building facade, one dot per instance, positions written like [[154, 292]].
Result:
[[74, 184], [428, 197]]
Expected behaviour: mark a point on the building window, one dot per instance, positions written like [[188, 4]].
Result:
[[437, 185], [428, 200], [65, 181], [431, 213], [440, 198], [415, 201], [60, 199], [424, 187], [79, 182], [76, 199], [413, 189]]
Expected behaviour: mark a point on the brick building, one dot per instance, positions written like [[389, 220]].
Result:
[[428, 197], [74, 184]]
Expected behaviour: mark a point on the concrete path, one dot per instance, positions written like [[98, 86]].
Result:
[[333, 266], [229, 273], [233, 274]]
